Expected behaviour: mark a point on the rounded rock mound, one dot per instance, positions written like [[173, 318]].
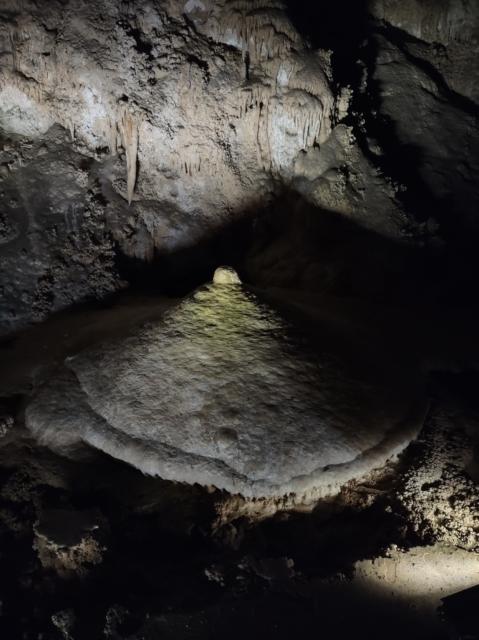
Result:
[[226, 275], [223, 391]]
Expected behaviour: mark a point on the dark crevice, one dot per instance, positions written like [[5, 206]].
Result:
[[403, 162], [201, 64], [355, 51], [247, 64], [141, 44], [354, 55], [400, 162], [339, 26], [179, 272]]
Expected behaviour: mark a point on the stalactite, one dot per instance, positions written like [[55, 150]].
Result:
[[286, 97], [128, 126], [198, 158], [260, 32], [30, 88], [13, 36], [111, 134]]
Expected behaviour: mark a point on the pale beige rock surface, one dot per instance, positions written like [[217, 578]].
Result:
[[223, 392], [214, 99], [226, 275], [418, 577]]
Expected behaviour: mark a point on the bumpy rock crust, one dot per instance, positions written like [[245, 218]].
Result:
[[222, 393]]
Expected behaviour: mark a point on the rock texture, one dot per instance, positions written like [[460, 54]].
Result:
[[191, 110], [423, 72], [56, 247], [69, 541], [177, 450], [222, 392], [135, 132], [441, 21], [168, 122], [440, 497]]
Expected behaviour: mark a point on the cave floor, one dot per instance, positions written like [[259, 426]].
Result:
[[92, 548]]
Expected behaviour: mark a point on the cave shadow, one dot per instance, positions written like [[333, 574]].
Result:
[[352, 291], [288, 244], [357, 295], [151, 570], [339, 26], [292, 243], [460, 610]]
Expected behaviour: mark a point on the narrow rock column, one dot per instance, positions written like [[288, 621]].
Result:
[[128, 126]]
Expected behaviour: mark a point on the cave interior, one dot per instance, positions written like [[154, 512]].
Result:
[[239, 391]]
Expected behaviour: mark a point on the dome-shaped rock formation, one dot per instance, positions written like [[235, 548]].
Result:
[[221, 391]]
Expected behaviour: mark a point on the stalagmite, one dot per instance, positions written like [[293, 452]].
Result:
[[220, 392], [226, 275]]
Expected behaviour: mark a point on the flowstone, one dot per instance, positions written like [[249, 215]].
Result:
[[222, 391]]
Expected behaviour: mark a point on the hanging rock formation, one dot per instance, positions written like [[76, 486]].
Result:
[[129, 134], [197, 93], [183, 115]]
